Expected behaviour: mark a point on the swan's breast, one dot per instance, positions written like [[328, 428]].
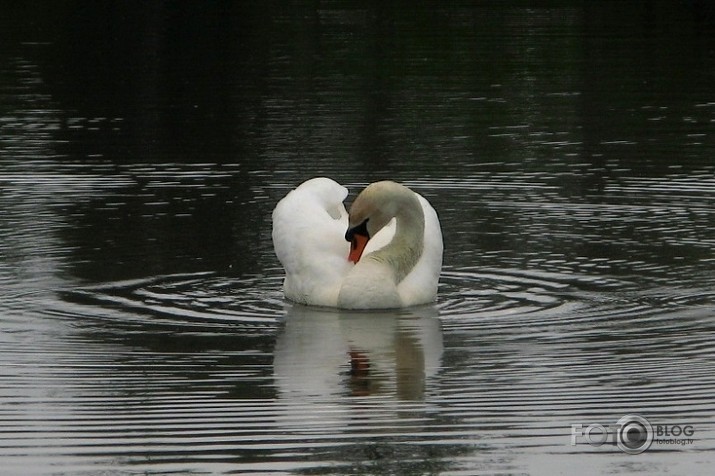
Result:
[[369, 285]]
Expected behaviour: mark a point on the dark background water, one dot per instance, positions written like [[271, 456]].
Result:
[[567, 146]]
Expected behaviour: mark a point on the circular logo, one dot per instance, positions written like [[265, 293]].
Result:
[[634, 434]]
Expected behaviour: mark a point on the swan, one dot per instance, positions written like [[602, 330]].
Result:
[[385, 253]]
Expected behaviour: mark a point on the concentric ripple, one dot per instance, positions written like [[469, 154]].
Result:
[[203, 300]]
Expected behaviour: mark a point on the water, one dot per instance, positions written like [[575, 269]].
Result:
[[568, 149]]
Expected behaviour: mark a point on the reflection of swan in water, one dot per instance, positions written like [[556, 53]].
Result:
[[325, 352]]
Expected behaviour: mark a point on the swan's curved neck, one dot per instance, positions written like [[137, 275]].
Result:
[[405, 249]]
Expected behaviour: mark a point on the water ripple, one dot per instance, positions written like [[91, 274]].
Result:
[[199, 300]]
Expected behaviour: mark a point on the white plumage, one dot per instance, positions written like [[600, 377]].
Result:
[[309, 226]]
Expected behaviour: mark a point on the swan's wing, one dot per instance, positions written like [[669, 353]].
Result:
[[420, 285], [309, 240]]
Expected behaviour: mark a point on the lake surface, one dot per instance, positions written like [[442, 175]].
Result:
[[568, 147]]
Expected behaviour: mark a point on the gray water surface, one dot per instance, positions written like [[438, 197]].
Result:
[[569, 149]]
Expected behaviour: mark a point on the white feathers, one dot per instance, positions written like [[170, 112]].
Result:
[[309, 226]]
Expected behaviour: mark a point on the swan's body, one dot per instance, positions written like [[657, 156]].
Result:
[[396, 246]]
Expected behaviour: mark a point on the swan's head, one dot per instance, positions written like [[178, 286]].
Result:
[[373, 208]]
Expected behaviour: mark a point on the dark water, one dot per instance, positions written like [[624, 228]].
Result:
[[569, 148]]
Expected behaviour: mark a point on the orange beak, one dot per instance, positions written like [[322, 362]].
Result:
[[357, 246]]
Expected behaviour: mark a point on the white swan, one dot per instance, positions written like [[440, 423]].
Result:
[[386, 253]]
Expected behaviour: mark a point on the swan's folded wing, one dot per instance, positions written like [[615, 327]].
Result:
[[308, 237]]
